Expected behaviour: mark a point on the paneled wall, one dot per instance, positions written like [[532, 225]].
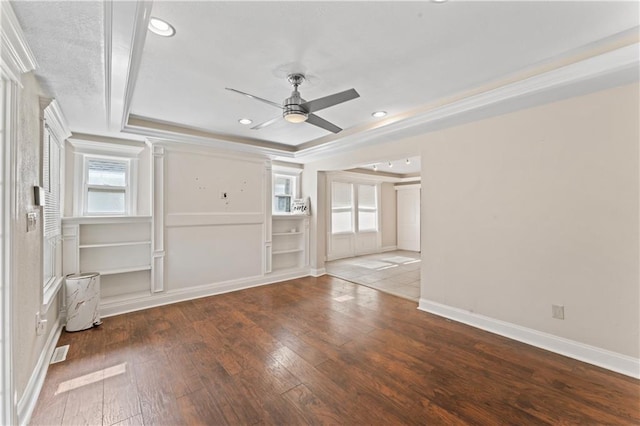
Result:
[[214, 218]]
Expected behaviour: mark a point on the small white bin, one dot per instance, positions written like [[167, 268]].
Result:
[[83, 298]]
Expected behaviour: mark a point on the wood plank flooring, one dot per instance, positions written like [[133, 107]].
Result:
[[290, 354]]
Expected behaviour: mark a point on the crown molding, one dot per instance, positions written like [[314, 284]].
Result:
[[16, 56], [125, 30], [85, 144], [590, 68], [142, 15], [108, 55], [362, 177], [168, 145], [54, 118], [584, 70], [162, 131]]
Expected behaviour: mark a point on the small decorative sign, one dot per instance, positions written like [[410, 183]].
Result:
[[300, 206]]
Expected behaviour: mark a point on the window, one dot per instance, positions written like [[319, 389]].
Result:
[[284, 190], [106, 186], [367, 208], [52, 256], [105, 177], [341, 207]]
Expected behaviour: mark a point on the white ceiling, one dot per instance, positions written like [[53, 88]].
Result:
[[403, 166], [400, 57]]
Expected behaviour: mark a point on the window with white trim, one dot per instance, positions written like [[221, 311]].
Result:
[[341, 207], [105, 177], [367, 208], [106, 186], [284, 190], [52, 255]]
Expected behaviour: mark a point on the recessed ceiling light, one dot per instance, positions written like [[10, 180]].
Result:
[[160, 27], [245, 121], [379, 114]]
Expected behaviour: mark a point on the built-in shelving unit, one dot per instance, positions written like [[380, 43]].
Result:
[[119, 248], [290, 242]]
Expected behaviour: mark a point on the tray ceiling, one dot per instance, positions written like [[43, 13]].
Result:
[[400, 56]]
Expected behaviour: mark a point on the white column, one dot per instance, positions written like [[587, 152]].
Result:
[[157, 221]]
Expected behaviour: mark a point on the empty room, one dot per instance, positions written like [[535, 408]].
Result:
[[301, 212]]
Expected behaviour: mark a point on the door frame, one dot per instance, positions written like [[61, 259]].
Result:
[[16, 59]]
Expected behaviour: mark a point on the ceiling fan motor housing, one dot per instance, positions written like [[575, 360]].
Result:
[[291, 109]]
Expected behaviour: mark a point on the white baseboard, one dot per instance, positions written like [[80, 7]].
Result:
[[27, 402], [613, 361], [318, 272], [388, 248], [130, 304]]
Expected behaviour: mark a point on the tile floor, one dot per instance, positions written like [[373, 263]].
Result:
[[394, 272]]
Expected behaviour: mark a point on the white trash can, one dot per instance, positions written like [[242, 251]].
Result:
[[83, 298]]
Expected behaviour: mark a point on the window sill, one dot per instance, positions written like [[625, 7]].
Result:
[[103, 219], [49, 293]]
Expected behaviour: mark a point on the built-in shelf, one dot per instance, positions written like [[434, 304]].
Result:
[[289, 250], [130, 243], [125, 270], [117, 247]]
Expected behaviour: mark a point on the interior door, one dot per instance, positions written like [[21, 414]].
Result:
[[408, 217]]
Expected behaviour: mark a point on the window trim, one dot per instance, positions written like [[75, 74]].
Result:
[[54, 126], [355, 205], [351, 208], [375, 209], [294, 176], [90, 148], [129, 201]]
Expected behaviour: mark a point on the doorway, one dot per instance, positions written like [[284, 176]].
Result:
[[6, 204], [390, 259]]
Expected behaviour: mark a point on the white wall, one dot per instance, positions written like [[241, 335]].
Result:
[[540, 207], [388, 215], [209, 239], [529, 209], [408, 220], [27, 246]]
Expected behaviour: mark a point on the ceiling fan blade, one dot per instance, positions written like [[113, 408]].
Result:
[[277, 105], [266, 123], [331, 100], [322, 123]]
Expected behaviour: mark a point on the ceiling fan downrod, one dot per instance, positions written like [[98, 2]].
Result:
[[292, 111]]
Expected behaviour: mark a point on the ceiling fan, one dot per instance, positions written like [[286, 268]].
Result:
[[297, 110]]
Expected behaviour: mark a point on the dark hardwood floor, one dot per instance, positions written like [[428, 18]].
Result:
[[291, 354]]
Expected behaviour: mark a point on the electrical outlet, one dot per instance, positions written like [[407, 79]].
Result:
[[32, 221], [41, 325], [557, 311]]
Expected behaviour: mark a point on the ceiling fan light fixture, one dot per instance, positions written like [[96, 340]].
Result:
[[160, 27], [296, 117], [379, 114]]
